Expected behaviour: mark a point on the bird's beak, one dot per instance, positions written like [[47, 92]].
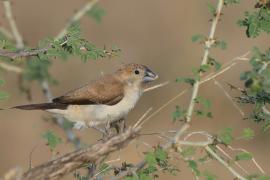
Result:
[[149, 76]]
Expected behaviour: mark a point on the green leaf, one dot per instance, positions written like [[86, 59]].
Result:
[[179, 114], [52, 139], [247, 134], [226, 136], [96, 13], [243, 156], [187, 80], [193, 165], [204, 68], [197, 37], [212, 9], [220, 44], [150, 159], [213, 62], [161, 154], [205, 102]]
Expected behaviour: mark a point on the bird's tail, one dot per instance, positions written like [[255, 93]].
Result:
[[41, 106]]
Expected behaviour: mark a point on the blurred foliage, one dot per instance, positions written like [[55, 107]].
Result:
[[257, 21], [257, 87], [52, 139], [96, 13]]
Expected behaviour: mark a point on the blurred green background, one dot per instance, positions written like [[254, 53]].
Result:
[[156, 33]]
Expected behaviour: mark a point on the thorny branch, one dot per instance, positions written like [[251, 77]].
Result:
[[67, 163]]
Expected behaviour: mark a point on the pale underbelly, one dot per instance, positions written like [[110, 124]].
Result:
[[93, 115]]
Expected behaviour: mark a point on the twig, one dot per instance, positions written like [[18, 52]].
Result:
[[76, 17], [11, 68], [228, 156], [156, 86], [208, 45], [229, 97], [224, 163], [8, 13], [253, 159]]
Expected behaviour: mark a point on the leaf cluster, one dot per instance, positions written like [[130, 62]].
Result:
[[257, 21]]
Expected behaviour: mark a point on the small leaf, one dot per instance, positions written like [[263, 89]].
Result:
[[193, 165], [220, 44], [187, 80], [247, 134], [205, 102], [151, 159], [243, 156], [96, 13], [161, 154], [52, 139], [226, 136], [197, 37], [179, 114]]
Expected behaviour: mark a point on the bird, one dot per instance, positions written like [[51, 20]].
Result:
[[105, 100]]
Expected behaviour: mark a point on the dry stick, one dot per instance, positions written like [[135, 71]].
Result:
[[224, 163], [228, 156], [8, 13], [11, 68], [76, 17], [229, 97], [253, 159]]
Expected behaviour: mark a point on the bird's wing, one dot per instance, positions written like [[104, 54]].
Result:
[[107, 90]]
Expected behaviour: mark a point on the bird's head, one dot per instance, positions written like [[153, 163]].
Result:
[[136, 74]]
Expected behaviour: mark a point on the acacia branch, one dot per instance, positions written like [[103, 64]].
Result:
[[67, 163], [208, 45]]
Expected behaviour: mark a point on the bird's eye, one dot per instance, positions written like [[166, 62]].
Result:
[[137, 72]]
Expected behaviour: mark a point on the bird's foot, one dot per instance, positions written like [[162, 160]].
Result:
[[119, 126]]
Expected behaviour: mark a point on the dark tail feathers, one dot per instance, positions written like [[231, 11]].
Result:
[[42, 106]]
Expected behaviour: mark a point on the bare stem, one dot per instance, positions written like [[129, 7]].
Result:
[[208, 45], [224, 163], [76, 17], [8, 13]]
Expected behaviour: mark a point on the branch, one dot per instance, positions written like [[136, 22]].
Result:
[[8, 13], [208, 45], [11, 68], [224, 163], [69, 162], [76, 17]]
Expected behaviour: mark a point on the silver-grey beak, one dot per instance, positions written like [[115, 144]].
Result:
[[149, 76]]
